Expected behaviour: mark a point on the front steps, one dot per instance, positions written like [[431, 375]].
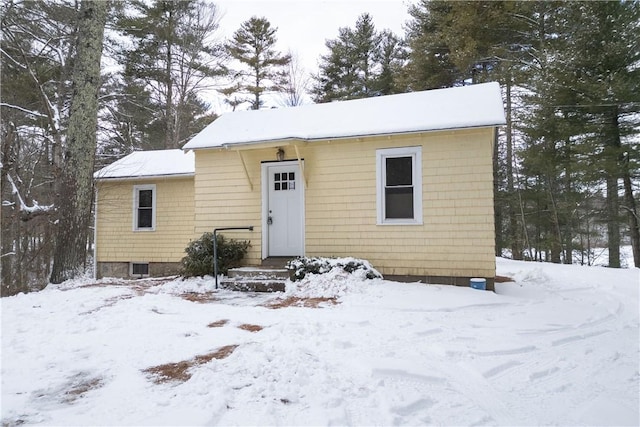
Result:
[[256, 279]]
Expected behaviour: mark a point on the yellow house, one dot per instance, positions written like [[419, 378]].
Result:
[[404, 181], [144, 214]]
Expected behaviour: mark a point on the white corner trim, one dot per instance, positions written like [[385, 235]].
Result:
[[95, 236]]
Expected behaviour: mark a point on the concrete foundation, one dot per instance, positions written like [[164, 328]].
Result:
[[441, 280], [122, 269]]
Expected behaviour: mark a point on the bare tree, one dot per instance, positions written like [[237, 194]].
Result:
[[37, 51], [296, 83]]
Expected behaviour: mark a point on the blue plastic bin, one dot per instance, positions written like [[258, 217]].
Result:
[[479, 283]]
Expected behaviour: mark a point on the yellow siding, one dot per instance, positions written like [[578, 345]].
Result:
[[455, 239], [224, 197], [117, 242], [457, 234]]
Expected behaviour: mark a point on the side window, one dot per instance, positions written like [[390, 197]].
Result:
[[399, 185], [144, 207]]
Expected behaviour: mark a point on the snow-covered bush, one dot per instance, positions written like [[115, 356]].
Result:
[[302, 266], [199, 259]]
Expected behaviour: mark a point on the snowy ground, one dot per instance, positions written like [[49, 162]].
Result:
[[559, 346]]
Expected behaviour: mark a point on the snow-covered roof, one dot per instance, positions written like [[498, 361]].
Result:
[[156, 163], [459, 107]]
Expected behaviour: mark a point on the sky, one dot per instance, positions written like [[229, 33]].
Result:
[[304, 25]]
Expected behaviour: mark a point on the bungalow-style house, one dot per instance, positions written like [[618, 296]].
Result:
[[404, 181]]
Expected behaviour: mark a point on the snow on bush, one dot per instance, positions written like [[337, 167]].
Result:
[[317, 265], [315, 277]]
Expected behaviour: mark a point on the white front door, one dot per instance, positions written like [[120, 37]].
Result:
[[284, 209]]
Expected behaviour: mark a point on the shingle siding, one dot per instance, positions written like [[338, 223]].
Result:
[[455, 239], [117, 242]]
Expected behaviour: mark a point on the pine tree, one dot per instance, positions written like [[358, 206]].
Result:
[[429, 64], [263, 67], [392, 57], [361, 62], [169, 64], [581, 120], [604, 50]]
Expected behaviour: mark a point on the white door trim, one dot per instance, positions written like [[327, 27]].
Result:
[[265, 204]]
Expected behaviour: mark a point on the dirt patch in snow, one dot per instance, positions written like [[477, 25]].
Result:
[[218, 323], [245, 326], [179, 371], [300, 302], [79, 386], [250, 328], [108, 303], [140, 286], [200, 297], [503, 279]]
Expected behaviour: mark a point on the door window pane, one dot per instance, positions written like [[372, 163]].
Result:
[[284, 181]]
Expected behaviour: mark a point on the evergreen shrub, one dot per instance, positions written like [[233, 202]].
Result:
[[199, 259], [300, 267]]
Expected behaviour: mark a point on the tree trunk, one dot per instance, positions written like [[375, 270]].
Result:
[[613, 226], [632, 210], [555, 235], [75, 199], [497, 218], [612, 170], [514, 234], [170, 137]]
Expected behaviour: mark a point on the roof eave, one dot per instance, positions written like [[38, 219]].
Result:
[[281, 141], [143, 177]]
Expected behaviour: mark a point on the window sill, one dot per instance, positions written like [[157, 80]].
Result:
[[144, 230], [400, 223]]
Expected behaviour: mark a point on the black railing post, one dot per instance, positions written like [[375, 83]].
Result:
[[215, 246]]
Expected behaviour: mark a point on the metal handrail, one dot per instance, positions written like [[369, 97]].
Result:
[[215, 246]]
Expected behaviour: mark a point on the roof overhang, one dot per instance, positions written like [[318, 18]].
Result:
[[254, 145], [145, 177]]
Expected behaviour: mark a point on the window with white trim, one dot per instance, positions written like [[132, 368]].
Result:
[[144, 207], [399, 185]]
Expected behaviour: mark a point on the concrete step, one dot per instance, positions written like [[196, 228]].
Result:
[[258, 273], [277, 262], [253, 285], [256, 279]]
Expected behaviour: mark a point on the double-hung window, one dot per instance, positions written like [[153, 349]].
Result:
[[399, 182], [144, 207]]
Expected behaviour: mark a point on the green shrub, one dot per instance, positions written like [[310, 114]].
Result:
[[302, 266], [199, 259]]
